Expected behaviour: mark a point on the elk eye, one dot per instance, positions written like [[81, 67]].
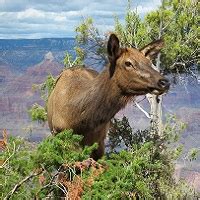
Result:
[[128, 64]]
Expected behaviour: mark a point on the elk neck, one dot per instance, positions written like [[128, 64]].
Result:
[[103, 99]]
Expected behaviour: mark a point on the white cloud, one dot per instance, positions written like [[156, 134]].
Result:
[[36, 18], [60, 18], [30, 13]]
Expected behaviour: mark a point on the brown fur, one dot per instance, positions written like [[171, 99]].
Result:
[[85, 101]]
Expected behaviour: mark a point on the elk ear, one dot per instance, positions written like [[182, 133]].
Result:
[[113, 50], [151, 50]]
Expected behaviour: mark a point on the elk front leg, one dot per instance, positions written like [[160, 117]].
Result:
[[99, 152]]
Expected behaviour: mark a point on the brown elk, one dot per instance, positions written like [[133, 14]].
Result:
[[86, 101]]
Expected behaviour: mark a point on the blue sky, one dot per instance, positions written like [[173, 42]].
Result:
[[58, 18]]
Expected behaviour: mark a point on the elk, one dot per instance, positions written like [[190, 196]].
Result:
[[85, 101]]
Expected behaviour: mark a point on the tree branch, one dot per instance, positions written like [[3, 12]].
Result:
[[18, 185], [145, 112], [177, 63], [50, 182]]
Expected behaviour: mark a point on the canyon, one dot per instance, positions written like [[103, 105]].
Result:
[[27, 62]]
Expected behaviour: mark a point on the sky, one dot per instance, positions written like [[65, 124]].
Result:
[[58, 18]]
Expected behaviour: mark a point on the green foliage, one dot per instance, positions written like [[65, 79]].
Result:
[[38, 113], [136, 173], [193, 154], [47, 87], [116, 138], [133, 32], [15, 165], [68, 59], [177, 22], [85, 31], [90, 42], [143, 170], [173, 128], [59, 149], [20, 159]]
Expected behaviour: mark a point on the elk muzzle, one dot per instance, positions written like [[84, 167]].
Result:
[[162, 87]]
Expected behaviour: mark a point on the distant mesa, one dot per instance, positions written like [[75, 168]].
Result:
[[48, 65], [49, 56]]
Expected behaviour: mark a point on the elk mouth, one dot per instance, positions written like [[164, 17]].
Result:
[[150, 90], [156, 91], [161, 87]]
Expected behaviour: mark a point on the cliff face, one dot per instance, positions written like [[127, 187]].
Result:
[[22, 64], [17, 95], [5, 73]]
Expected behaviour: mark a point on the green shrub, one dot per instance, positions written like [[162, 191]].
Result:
[[145, 168], [21, 159], [62, 148]]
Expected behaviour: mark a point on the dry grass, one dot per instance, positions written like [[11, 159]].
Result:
[[76, 186]]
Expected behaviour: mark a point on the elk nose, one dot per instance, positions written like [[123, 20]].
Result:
[[164, 83]]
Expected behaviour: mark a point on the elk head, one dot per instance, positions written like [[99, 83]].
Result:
[[132, 68]]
